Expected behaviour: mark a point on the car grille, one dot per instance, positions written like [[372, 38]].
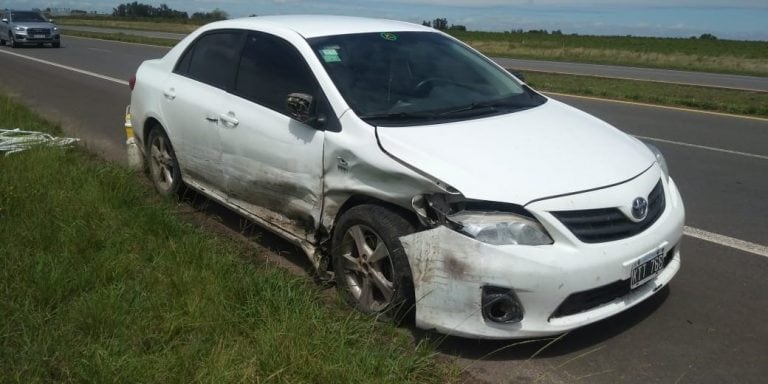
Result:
[[31, 32], [610, 224], [586, 300]]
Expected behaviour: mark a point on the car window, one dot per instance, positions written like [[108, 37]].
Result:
[[27, 17], [212, 58], [271, 69]]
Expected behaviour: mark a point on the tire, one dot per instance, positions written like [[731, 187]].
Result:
[[371, 269], [56, 45], [2, 41], [162, 164], [14, 44]]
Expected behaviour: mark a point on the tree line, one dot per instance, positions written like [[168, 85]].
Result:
[[139, 10]]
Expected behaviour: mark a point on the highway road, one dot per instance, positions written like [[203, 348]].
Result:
[[707, 327], [751, 83]]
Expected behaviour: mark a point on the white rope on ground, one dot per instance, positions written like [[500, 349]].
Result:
[[16, 140]]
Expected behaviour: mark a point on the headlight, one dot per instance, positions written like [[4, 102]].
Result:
[[659, 159], [55, 29], [18, 28], [501, 228]]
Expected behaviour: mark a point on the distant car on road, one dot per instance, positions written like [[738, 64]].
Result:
[[412, 169], [26, 28]]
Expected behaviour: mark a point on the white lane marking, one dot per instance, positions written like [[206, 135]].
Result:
[[99, 50], [728, 151], [62, 66], [746, 246], [657, 106]]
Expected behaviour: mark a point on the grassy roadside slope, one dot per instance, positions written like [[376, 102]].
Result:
[[103, 282]]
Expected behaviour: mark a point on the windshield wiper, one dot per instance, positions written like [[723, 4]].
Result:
[[398, 116], [493, 106]]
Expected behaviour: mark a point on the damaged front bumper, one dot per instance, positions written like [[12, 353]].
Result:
[[556, 287]]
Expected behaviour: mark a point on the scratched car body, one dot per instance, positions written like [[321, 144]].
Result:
[[428, 182]]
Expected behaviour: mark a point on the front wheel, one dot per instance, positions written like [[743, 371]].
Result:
[[163, 166], [56, 45], [371, 268], [13, 42]]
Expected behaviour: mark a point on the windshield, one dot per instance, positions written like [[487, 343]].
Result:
[[27, 17], [405, 78]]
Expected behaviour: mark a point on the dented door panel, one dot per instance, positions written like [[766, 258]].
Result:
[[273, 167]]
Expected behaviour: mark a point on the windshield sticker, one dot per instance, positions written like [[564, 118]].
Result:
[[388, 36], [330, 55]]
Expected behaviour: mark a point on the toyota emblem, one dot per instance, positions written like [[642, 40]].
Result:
[[639, 208]]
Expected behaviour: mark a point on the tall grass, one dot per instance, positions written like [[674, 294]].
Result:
[[102, 282]]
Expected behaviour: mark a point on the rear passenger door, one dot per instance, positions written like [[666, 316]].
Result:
[[273, 163], [194, 96]]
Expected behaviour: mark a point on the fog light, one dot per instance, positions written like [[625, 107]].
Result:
[[500, 305]]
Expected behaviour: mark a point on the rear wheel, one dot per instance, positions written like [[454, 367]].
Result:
[[371, 268], [163, 167], [2, 41]]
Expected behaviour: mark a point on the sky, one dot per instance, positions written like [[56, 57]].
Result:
[[730, 19]]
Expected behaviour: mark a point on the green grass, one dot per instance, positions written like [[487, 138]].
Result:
[[724, 56], [687, 96], [126, 38], [102, 281], [161, 25]]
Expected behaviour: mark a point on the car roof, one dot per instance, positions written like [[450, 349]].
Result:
[[310, 26]]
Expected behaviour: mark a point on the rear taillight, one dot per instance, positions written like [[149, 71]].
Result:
[[132, 82]]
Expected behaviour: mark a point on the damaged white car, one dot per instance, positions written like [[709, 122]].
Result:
[[425, 179]]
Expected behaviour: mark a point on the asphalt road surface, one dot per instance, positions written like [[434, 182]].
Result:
[[707, 327], [751, 83]]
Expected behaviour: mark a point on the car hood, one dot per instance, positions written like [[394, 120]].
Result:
[[34, 25], [519, 157]]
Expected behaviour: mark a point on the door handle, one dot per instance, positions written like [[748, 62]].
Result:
[[212, 118], [229, 119], [170, 94]]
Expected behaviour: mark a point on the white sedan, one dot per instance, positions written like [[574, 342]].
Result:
[[430, 183]]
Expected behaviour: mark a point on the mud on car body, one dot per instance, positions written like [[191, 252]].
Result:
[[423, 178]]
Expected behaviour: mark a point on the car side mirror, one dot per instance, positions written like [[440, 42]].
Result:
[[301, 107]]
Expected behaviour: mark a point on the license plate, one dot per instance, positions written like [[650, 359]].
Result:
[[38, 36], [647, 267]]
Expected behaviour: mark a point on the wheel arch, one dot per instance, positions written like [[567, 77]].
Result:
[[359, 199]]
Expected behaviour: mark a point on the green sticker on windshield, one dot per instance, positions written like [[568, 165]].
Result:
[[388, 36], [330, 55]]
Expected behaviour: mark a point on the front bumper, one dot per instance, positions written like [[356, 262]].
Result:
[[450, 270], [27, 39]]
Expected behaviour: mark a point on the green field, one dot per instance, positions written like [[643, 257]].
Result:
[[724, 56], [161, 25], [102, 281]]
